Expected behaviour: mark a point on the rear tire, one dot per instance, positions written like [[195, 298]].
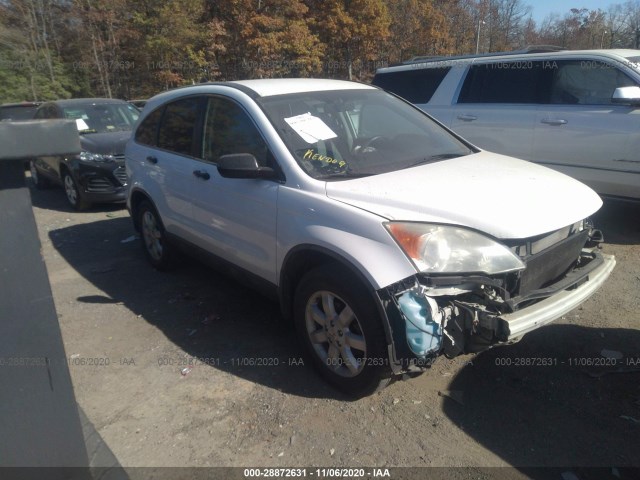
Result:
[[153, 237], [341, 331]]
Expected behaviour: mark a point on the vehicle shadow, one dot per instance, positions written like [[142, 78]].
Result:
[[204, 313], [619, 222], [554, 401]]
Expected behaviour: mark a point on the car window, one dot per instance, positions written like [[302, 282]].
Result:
[[633, 62], [178, 125], [522, 82], [41, 113], [341, 134], [101, 117], [48, 111], [415, 85], [586, 82], [17, 112], [147, 132], [229, 129]]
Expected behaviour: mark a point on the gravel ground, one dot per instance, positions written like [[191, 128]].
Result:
[[131, 334]]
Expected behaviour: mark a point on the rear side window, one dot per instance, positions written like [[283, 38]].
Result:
[[415, 85], [507, 82], [147, 132], [178, 126], [22, 112]]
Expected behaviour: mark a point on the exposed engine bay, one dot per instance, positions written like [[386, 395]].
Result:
[[453, 315]]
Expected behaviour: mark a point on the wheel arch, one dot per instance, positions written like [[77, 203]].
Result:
[[136, 197], [303, 258], [63, 168]]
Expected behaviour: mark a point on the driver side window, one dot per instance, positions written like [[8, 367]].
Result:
[[586, 83], [228, 129]]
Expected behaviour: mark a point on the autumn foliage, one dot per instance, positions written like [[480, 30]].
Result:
[[133, 49]]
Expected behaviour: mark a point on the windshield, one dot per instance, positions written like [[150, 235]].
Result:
[[102, 117], [355, 133]]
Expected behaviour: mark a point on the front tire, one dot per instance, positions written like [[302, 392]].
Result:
[[341, 331], [153, 236], [73, 192]]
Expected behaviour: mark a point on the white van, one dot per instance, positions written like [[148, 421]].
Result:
[[574, 111]]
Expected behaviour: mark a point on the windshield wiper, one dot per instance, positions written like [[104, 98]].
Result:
[[435, 158]]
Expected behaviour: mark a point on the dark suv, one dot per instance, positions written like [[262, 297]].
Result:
[[97, 175]]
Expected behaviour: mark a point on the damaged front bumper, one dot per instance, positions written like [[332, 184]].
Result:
[[516, 324], [427, 317]]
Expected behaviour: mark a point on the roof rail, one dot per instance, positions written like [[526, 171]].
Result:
[[541, 49], [528, 49]]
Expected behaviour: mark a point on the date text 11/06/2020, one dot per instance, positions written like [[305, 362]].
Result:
[[234, 362], [317, 472], [571, 362]]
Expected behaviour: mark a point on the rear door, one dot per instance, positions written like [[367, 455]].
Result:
[[582, 133], [166, 157], [498, 104]]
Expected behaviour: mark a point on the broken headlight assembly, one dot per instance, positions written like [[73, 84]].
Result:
[[449, 249]]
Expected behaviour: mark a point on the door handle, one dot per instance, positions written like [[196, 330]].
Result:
[[202, 174], [554, 121], [152, 159], [467, 118]]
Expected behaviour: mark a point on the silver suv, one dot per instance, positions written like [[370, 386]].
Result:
[[385, 238], [573, 111]]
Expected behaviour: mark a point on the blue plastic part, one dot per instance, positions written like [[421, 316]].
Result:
[[424, 332]]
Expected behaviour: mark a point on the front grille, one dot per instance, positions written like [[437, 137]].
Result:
[[550, 264], [99, 185], [121, 175]]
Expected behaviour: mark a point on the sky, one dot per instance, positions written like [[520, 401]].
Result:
[[542, 8]]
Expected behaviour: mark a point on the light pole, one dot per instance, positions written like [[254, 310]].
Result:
[[602, 38], [480, 22]]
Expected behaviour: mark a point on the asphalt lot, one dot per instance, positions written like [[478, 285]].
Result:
[[189, 368]]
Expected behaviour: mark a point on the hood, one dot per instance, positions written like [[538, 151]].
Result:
[[501, 196], [110, 143]]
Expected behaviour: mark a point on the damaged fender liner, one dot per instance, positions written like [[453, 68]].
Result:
[[546, 305]]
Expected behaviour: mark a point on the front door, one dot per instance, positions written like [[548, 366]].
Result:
[[235, 218]]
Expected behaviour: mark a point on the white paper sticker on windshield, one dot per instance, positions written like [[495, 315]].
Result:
[[310, 128], [81, 124]]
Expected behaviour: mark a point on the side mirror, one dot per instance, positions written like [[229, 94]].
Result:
[[626, 96], [243, 165]]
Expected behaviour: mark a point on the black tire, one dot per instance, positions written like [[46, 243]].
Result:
[[348, 348], [38, 180], [72, 192], [153, 237]]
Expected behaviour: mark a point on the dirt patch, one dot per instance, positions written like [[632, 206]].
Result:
[[192, 369]]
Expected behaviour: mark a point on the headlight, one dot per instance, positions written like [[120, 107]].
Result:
[[96, 157], [447, 249]]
